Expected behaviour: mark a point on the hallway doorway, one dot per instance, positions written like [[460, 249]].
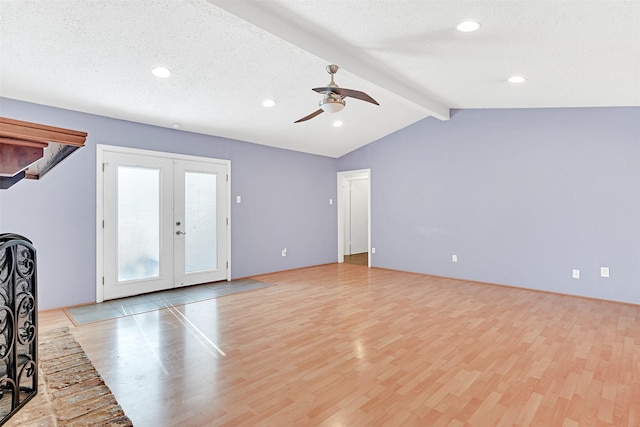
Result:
[[354, 231]]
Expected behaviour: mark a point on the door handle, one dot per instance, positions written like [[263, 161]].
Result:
[[179, 233]]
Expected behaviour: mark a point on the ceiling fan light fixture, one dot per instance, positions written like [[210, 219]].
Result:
[[468, 26], [332, 105]]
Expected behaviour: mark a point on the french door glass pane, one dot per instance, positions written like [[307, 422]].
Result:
[[138, 223], [200, 222]]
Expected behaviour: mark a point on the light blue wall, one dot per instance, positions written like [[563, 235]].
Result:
[[285, 198], [521, 196]]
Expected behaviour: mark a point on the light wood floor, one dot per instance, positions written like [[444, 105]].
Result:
[[343, 345], [357, 259]]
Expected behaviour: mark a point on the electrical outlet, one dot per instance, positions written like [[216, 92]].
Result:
[[238, 199], [576, 274], [373, 250], [454, 258], [604, 271], [331, 201], [284, 252]]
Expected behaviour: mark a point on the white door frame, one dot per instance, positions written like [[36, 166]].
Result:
[[343, 181], [100, 150]]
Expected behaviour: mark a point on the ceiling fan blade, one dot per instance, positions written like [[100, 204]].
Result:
[[346, 92], [310, 116], [355, 94]]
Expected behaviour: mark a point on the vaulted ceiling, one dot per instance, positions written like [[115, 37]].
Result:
[[227, 56]]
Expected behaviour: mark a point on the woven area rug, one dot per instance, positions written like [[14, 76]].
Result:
[[70, 392]]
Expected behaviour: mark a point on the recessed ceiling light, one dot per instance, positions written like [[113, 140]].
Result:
[[268, 103], [468, 26], [161, 72], [337, 123], [516, 79]]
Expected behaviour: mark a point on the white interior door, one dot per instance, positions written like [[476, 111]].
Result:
[[359, 216], [165, 223]]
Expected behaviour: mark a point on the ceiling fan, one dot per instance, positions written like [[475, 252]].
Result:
[[333, 99]]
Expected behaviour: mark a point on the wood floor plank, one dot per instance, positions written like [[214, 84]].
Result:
[[53, 319], [346, 345]]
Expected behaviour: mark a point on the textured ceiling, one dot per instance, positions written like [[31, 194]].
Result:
[[227, 56]]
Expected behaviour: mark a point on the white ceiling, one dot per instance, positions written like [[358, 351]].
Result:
[[227, 56]]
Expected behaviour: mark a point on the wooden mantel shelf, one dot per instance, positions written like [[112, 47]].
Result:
[[30, 150]]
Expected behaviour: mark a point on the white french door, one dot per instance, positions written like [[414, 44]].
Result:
[[200, 222], [165, 222]]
